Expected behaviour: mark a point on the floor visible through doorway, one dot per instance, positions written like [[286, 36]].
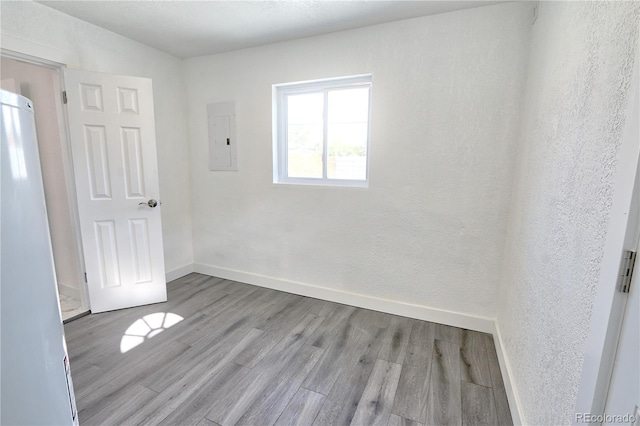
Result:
[[70, 307]]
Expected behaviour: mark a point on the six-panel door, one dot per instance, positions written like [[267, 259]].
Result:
[[112, 131]]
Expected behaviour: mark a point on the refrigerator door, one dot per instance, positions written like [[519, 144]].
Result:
[[34, 386]]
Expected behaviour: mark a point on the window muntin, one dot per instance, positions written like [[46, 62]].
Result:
[[322, 132]]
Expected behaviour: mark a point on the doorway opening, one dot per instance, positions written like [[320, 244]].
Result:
[[42, 84]]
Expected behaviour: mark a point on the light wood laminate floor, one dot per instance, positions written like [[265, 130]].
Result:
[[226, 353]]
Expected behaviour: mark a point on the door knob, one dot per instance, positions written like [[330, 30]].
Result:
[[151, 203]]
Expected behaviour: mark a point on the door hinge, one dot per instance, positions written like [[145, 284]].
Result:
[[85, 277], [64, 97], [626, 270]]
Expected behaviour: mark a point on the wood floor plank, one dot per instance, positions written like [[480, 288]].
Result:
[[177, 294], [334, 323], [503, 413], [114, 325], [260, 349], [411, 396], [88, 325], [199, 357], [376, 402], [444, 399], [292, 341], [111, 355], [302, 409], [85, 374], [204, 328], [394, 346], [474, 366], [227, 320], [119, 408], [180, 391], [282, 313], [196, 407], [446, 333], [401, 421], [343, 399], [478, 406], [236, 286], [235, 302], [288, 341], [323, 308], [274, 305], [97, 393], [295, 338], [199, 300], [268, 407], [232, 401], [334, 358], [275, 329]]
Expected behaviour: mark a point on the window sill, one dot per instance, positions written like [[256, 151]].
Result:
[[321, 182]]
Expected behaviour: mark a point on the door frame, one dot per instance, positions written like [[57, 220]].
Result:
[[607, 309], [25, 52]]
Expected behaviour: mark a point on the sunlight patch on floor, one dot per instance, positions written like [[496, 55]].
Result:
[[147, 327]]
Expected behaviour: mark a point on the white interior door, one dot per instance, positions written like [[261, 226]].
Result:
[[623, 397], [112, 128]]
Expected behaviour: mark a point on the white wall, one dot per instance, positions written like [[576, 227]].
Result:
[[430, 229], [103, 51], [582, 55], [448, 120], [42, 86]]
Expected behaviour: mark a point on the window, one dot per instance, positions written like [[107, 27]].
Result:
[[322, 131]]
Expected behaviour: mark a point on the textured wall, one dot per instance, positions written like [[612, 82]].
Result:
[[103, 51], [430, 228], [578, 78]]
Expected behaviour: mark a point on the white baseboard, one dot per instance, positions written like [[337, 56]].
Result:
[[180, 272], [455, 319], [420, 312], [507, 378]]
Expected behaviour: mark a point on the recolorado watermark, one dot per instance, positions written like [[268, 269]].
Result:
[[605, 418]]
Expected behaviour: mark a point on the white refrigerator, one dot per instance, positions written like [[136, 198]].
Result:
[[36, 386]]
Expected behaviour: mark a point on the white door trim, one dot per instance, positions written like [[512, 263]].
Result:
[[25, 51], [38, 53], [605, 321]]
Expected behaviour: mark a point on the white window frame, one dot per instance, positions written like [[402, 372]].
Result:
[[280, 143]]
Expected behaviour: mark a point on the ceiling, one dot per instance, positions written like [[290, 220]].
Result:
[[194, 28]]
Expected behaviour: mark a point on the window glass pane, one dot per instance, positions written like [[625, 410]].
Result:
[[304, 135], [347, 128]]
